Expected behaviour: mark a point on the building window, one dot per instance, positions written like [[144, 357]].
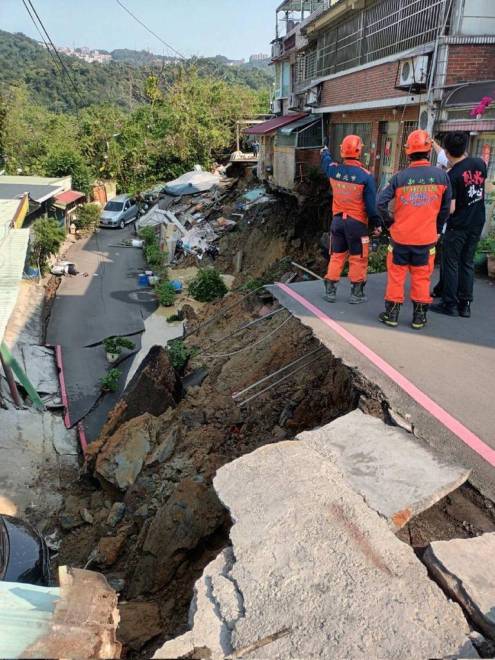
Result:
[[311, 137], [339, 131], [285, 79], [386, 28], [407, 128]]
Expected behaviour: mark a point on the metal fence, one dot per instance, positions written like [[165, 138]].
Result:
[[382, 29]]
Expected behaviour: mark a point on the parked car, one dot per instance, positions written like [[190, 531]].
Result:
[[23, 553], [119, 211]]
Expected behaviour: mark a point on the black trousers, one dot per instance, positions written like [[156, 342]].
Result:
[[458, 248]]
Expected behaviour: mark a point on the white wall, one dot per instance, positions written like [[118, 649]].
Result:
[[474, 17]]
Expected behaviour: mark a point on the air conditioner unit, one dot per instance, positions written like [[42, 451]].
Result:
[[293, 102], [413, 72], [313, 97], [426, 118], [276, 106]]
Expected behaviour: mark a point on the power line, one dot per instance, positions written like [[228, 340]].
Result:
[[183, 57], [57, 65], [62, 63]]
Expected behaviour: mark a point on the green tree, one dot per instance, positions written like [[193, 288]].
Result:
[[48, 236], [64, 161]]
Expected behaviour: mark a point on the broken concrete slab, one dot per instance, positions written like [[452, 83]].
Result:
[[314, 572], [397, 474], [463, 568]]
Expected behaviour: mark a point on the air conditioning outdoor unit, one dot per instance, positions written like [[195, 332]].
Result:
[[276, 106], [313, 97], [413, 72], [426, 118], [293, 102]]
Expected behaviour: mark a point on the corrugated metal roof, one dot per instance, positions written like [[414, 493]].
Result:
[[12, 257], [272, 125], [26, 612], [59, 181], [69, 196], [8, 209], [302, 123], [37, 193]]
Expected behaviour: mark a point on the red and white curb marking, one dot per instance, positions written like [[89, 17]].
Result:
[[445, 418]]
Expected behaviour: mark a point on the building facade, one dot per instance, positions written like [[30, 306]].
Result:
[[382, 68]]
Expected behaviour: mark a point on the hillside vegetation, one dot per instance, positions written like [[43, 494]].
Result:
[[137, 125], [119, 82]]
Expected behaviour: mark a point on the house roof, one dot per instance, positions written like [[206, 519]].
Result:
[[69, 197], [38, 193], [60, 181], [8, 209], [301, 123], [13, 250], [273, 125]]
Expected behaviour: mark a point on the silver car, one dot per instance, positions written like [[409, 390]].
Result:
[[119, 211]]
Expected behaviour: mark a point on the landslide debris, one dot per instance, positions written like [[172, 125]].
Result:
[[159, 468]]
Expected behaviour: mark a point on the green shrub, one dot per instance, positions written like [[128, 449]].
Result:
[[116, 344], [166, 294], [153, 255], [207, 286], [87, 216], [179, 354], [110, 382], [148, 235], [378, 260], [48, 236]]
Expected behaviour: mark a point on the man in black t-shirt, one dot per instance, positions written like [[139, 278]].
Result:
[[463, 228]]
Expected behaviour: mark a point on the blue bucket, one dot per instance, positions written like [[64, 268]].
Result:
[[143, 280], [177, 284]]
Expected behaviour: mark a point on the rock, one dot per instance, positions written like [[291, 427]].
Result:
[[139, 622], [397, 474], [109, 548], [463, 567], [191, 513], [314, 572], [165, 449], [116, 514], [121, 458], [189, 313], [118, 584], [193, 418], [70, 520], [97, 500], [87, 517]]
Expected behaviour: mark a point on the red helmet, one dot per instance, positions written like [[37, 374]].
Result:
[[351, 147], [419, 142]]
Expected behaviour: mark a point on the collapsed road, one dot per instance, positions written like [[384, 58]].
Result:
[[151, 514]]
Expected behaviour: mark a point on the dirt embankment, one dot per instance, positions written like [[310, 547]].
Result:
[[150, 518]]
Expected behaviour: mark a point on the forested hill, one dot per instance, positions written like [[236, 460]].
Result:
[[24, 61]]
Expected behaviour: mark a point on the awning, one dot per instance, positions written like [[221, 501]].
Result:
[[69, 197], [298, 125], [273, 125], [470, 94], [465, 125]]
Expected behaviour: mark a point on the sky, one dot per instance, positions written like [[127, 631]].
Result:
[[235, 28]]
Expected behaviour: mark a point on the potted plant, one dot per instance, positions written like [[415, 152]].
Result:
[[110, 382], [114, 346]]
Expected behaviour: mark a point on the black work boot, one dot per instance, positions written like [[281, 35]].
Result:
[[445, 308], [419, 316], [330, 291], [357, 293], [464, 308], [391, 314]]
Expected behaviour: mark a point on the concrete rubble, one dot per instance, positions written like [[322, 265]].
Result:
[[344, 586], [397, 474], [461, 567]]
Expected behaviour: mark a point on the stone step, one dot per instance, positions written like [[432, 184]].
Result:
[[397, 474]]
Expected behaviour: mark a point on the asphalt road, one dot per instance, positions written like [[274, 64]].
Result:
[[452, 361], [103, 300]]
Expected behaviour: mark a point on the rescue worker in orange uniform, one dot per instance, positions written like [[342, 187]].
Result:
[[354, 205], [422, 196]]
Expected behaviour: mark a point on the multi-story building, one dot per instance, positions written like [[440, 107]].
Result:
[[259, 57], [381, 68]]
